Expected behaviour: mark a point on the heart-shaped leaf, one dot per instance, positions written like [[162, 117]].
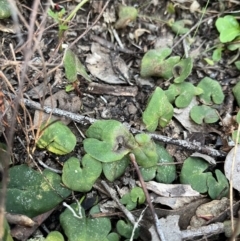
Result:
[[218, 188], [73, 67], [108, 141], [134, 197], [54, 236], [194, 173], [236, 92], [228, 27], [159, 111], [204, 113], [81, 178], [125, 229], [32, 193], [182, 70], [146, 153], [184, 92], [154, 63], [57, 138], [113, 170], [164, 173], [84, 228], [212, 91], [126, 15]]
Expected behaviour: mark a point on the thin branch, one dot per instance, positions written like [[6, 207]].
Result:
[[84, 120], [155, 217]]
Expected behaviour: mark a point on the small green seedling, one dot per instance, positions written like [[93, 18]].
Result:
[[154, 63], [194, 173], [108, 141], [236, 92], [57, 138], [203, 113], [146, 152], [62, 21], [5, 10], [179, 27], [73, 67], [212, 91], [158, 112], [133, 198], [54, 236], [125, 229], [32, 193], [182, 93], [182, 70], [228, 27], [80, 176], [164, 171], [84, 228], [126, 15]]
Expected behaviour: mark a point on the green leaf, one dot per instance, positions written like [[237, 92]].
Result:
[[194, 173], [204, 113], [126, 15], [234, 136], [69, 88], [32, 193], [6, 231], [238, 117], [54, 236], [154, 64], [212, 91], [237, 64], [113, 237], [184, 91], [125, 229], [57, 138], [166, 173], [134, 197], [113, 170], [182, 70], [159, 111], [84, 229], [73, 67], [146, 152], [217, 54], [5, 9], [220, 188], [108, 141], [236, 92], [178, 27], [234, 45], [137, 195], [81, 178], [127, 200], [228, 27]]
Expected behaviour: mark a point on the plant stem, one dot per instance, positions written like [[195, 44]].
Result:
[[74, 11]]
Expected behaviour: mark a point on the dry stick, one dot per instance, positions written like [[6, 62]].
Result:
[[113, 195], [84, 120], [155, 217]]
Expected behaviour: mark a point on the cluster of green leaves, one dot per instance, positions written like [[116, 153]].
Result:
[[229, 30], [159, 110], [194, 172]]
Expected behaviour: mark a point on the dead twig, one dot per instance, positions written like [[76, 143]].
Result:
[[84, 120], [155, 217]]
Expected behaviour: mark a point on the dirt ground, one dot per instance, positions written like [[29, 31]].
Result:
[[32, 69]]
